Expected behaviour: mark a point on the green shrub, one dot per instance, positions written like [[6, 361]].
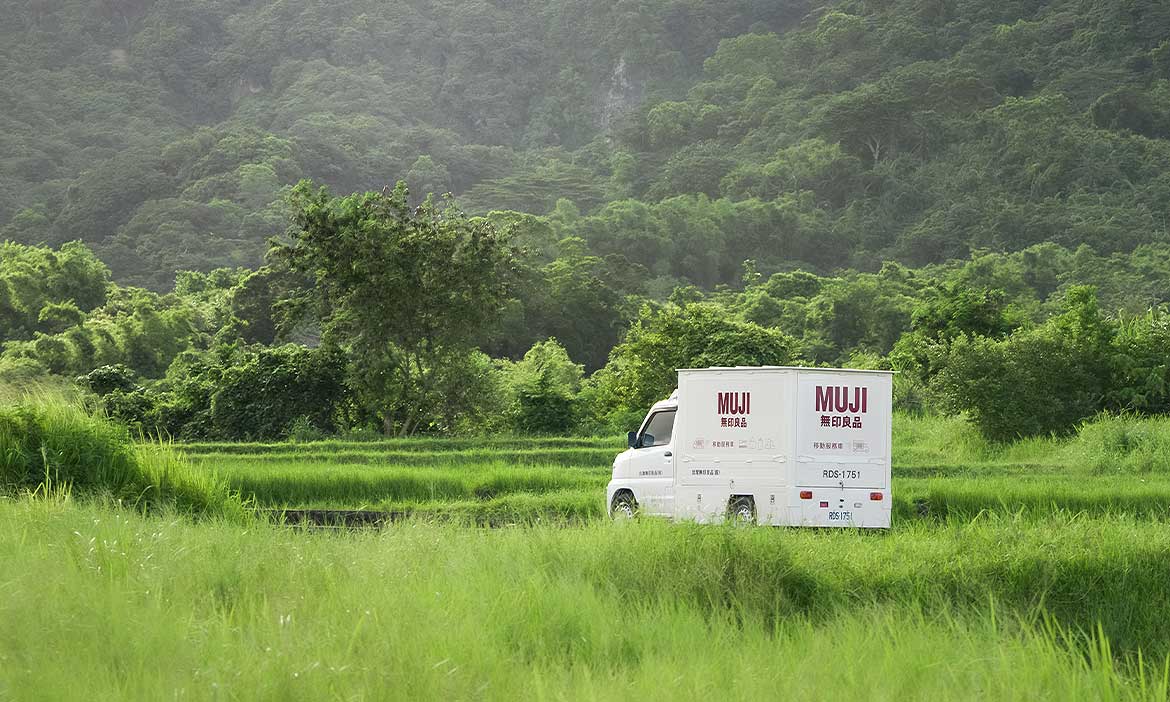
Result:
[[1035, 382], [544, 408], [104, 380], [263, 397], [540, 390], [642, 369]]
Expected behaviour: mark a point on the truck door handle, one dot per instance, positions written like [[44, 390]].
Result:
[[668, 454]]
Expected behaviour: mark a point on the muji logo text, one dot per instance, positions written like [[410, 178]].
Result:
[[839, 398], [738, 404], [734, 402]]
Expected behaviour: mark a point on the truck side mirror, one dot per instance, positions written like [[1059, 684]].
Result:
[[632, 439]]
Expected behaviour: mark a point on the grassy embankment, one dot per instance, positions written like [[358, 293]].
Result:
[[52, 448], [941, 466]]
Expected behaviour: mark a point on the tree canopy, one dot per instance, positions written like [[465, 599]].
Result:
[[404, 289]]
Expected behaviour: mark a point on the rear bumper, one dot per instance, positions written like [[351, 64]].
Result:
[[834, 507]]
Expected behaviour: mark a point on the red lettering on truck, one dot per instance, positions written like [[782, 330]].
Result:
[[734, 402], [832, 398]]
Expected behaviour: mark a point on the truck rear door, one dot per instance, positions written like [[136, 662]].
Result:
[[842, 475]]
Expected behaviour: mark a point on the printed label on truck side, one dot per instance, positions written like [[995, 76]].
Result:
[[729, 414], [843, 416]]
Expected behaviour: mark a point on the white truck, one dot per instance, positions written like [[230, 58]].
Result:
[[770, 445]]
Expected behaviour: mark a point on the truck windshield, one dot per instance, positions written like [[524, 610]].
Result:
[[658, 429]]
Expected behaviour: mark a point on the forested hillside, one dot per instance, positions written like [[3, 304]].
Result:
[[973, 193], [163, 132], [689, 135]]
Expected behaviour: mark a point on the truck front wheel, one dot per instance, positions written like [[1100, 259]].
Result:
[[624, 506]]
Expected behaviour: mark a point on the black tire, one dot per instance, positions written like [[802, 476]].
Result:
[[624, 506], [741, 511]]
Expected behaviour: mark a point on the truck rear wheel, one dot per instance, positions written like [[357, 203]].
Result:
[[624, 506], [741, 510]]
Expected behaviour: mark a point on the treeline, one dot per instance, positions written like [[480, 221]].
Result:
[[684, 136], [376, 316]]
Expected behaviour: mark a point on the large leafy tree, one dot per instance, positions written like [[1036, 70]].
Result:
[[408, 292], [642, 368]]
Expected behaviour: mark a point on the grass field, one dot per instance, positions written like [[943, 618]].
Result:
[[107, 604], [941, 468], [1039, 570]]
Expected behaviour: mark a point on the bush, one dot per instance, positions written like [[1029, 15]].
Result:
[[104, 380], [641, 370], [1035, 382], [262, 397], [544, 408], [541, 390]]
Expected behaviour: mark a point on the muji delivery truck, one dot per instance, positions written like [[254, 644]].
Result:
[[770, 445]]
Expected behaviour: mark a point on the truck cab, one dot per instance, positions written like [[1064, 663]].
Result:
[[647, 463]]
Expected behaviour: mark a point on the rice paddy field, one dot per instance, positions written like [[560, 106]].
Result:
[[1036, 570]]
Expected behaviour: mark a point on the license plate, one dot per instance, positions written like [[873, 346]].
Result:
[[840, 516]]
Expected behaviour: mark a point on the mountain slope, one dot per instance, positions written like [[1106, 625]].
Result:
[[826, 136]]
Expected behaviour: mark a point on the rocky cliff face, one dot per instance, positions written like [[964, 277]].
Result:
[[624, 94]]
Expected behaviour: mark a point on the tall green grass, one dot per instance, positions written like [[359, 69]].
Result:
[[1029, 570], [422, 443], [941, 467], [54, 446], [1107, 444], [344, 485], [106, 604], [959, 497], [551, 454], [1123, 444]]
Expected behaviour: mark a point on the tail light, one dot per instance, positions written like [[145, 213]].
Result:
[[806, 494], [875, 496], [824, 503]]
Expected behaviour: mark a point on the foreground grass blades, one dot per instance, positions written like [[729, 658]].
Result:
[[1023, 571], [108, 604]]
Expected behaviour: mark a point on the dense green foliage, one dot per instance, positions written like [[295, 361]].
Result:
[[912, 184], [54, 449], [642, 368], [1015, 341], [163, 133], [406, 292], [267, 393]]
